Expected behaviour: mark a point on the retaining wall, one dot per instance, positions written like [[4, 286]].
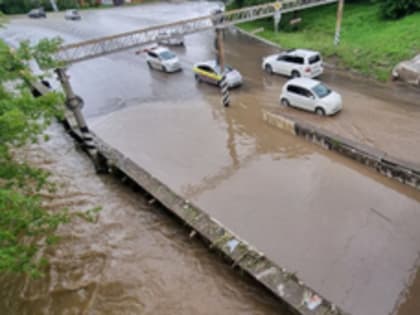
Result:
[[403, 171]]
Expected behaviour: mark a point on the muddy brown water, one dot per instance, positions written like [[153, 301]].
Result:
[[411, 303], [136, 259]]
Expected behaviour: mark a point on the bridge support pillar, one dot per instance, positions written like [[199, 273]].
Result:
[[75, 103], [221, 62]]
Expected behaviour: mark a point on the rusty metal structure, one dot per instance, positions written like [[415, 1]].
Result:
[[90, 49]]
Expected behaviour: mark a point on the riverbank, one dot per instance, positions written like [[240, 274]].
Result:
[[370, 45]]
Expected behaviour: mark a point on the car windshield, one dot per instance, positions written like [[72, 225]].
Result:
[[321, 90], [166, 55], [227, 68]]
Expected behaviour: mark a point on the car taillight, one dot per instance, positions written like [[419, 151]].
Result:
[[308, 69]]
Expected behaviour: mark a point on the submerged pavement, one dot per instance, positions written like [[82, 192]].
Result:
[[347, 231]]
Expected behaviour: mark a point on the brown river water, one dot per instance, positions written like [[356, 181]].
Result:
[[136, 259]]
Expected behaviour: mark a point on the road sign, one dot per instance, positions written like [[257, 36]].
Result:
[[277, 6]]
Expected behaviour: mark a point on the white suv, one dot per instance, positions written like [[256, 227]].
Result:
[[295, 63], [162, 58]]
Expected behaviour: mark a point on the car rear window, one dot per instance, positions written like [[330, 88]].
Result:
[[314, 59]]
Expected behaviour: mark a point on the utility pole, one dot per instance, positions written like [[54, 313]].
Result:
[[220, 56], [54, 5], [75, 103], [277, 15], [221, 62], [340, 10]]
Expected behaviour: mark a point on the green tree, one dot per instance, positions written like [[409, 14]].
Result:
[[395, 9], [24, 225]]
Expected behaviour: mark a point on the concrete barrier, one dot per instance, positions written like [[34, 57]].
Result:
[[403, 171], [280, 122]]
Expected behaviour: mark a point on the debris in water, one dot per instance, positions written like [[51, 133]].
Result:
[[311, 301], [280, 289], [232, 244]]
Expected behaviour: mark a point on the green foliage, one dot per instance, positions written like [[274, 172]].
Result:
[[369, 44], [22, 6], [24, 224], [395, 9]]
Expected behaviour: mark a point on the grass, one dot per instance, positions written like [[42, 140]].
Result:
[[369, 44]]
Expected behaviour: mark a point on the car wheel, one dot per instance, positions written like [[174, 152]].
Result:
[[295, 74], [164, 69], [285, 102], [319, 111], [197, 78], [149, 64], [269, 69]]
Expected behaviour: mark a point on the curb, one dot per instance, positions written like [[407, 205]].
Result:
[[402, 171]]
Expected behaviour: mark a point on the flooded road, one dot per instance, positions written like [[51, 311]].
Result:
[[134, 260], [347, 231]]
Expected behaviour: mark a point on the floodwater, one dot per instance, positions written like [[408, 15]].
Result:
[[135, 259], [347, 231], [411, 304]]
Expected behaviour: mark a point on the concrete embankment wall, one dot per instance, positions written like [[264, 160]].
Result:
[[403, 171]]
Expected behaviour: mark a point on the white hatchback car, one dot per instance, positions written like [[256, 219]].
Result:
[[163, 59], [295, 63], [311, 95], [171, 39], [72, 15]]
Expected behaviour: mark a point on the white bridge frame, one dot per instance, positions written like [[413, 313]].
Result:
[[94, 48]]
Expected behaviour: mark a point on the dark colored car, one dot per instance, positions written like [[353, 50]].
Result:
[[72, 15], [37, 13]]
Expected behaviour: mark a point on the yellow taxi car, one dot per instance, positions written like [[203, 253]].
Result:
[[209, 72]]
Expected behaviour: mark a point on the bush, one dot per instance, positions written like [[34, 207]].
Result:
[[395, 9]]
